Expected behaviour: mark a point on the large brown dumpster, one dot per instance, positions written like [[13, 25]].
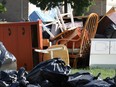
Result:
[[20, 38]]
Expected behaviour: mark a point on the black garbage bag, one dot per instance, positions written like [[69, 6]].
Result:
[[110, 31], [21, 77], [13, 78], [111, 81], [56, 65], [97, 83], [5, 56], [55, 78], [2, 53], [79, 79], [32, 85], [21, 73], [9, 76], [34, 76], [3, 84]]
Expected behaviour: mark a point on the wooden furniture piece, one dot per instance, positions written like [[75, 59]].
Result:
[[61, 15], [20, 38], [103, 53], [55, 27], [106, 20], [83, 48], [46, 43], [49, 19], [66, 34], [59, 51], [58, 25]]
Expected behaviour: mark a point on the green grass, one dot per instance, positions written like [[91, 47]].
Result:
[[94, 71]]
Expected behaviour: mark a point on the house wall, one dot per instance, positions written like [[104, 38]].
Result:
[[102, 6], [99, 7], [17, 10], [110, 4]]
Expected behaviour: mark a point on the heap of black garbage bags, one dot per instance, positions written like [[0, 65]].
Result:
[[52, 73]]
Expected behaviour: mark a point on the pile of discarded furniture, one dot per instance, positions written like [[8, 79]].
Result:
[[57, 38], [69, 45], [75, 37]]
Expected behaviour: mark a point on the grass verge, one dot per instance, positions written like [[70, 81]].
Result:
[[94, 71]]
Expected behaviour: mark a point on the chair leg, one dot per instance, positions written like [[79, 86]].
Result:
[[75, 62]]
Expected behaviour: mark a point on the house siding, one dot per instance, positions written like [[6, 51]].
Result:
[[99, 7], [17, 10]]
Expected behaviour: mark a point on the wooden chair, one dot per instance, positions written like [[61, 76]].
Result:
[[70, 34], [80, 46], [59, 51], [53, 50]]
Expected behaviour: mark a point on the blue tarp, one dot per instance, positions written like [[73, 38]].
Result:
[[45, 17]]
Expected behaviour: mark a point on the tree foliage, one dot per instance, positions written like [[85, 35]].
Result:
[[80, 6], [2, 6]]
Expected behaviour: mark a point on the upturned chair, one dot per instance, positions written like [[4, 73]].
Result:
[[80, 46], [69, 14]]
